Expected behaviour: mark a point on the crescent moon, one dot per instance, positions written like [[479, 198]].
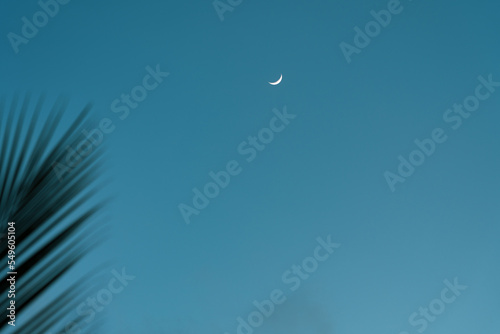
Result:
[[277, 82]]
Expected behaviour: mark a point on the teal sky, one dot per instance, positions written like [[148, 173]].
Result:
[[322, 175]]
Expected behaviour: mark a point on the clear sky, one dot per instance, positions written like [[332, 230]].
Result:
[[321, 175]]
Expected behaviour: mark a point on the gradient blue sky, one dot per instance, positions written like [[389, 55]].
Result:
[[322, 175]]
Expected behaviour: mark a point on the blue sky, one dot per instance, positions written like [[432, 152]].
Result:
[[322, 175]]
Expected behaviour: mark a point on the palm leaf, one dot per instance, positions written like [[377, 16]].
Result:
[[54, 214]]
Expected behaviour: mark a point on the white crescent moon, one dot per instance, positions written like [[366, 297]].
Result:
[[277, 82]]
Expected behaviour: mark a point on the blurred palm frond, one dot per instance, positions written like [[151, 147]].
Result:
[[54, 212]]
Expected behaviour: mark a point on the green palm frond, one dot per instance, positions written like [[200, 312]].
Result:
[[53, 212]]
